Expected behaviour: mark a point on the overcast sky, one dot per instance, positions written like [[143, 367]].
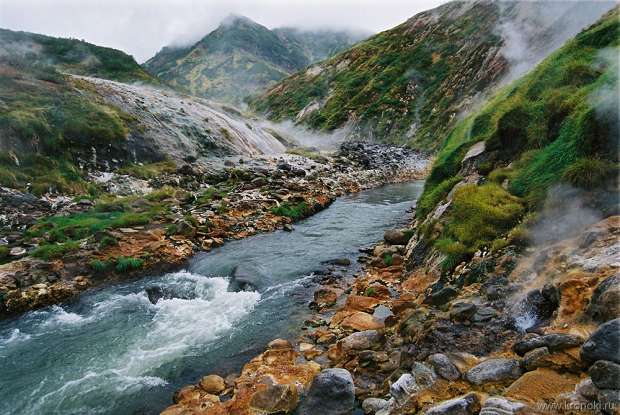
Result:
[[142, 27]]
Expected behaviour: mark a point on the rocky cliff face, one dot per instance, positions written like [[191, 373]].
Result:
[[242, 57], [409, 84]]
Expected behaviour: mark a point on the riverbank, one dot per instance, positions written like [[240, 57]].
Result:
[[58, 247], [530, 331]]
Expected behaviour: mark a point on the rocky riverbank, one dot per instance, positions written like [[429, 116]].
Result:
[[534, 331], [55, 247]]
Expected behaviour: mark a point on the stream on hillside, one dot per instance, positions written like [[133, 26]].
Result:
[[114, 352]]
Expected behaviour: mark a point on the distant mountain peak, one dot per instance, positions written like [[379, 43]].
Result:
[[234, 19]]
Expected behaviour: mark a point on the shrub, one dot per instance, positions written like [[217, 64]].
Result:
[[108, 241], [479, 214], [99, 266], [125, 264], [369, 292], [4, 252], [295, 212], [388, 259]]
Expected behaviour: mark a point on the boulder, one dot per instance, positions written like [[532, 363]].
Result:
[[605, 374], [242, 280], [361, 340], [494, 370], [553, 341], [212, 384], [609, 400], [463, 405], [442, 296], [275, 398], [374, 405], [462, 311], [443, 366], [535, 358], [605, 302], [497, 405], [424, 375], [361, 321], [396, 237], [404, 388], [325, 297], [603, 344], [332, 393]]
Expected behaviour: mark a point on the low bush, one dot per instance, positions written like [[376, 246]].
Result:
[[295, 212], [588, 173], [126, 264]]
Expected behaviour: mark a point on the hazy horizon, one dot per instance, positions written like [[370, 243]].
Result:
[[142, 27]]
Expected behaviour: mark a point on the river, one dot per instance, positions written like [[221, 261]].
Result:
[[114, 352]]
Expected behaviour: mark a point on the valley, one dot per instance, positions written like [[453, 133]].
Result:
[[425, 220]]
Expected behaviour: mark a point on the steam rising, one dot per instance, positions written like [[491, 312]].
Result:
[[298, 135], [533, 29]]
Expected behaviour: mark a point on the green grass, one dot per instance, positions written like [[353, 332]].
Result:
[[99, 266], [388, 260], [548, 123], [294, 212], [4, 252], [150, 170], [126, 264], [55, 251], [557, 124]]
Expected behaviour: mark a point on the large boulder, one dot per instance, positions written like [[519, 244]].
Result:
[[213, 384], [397, 236], [605, 375], [361, 340], [404, 388], [603, 344], [275, 398], [443, 366], [494, 370], [605, 301], [332, 393], [463, 405], [553, 342]]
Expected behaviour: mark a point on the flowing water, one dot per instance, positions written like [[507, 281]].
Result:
[[114, 352]]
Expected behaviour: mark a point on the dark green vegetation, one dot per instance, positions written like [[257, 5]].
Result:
[[121, 264], [46, 125], [409, 74], [294, 212], [73, 56], [241, 57], [558, 124], [61, 235]]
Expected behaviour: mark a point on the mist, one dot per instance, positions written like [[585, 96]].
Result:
[[537, 28], [143, 27], [303, 137]]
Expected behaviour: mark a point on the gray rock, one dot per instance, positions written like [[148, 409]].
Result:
[[533, 358], [497, 405], [462, 311], [553, 341], [605, 302], [609, 400], [404, 388], [494, 370], [586, 390], [444, 366], [374, 405], [424, 375], [605, 375], [603, 344], [396, 237], [361, 340], [442, 296], [463, 405], [332, 393], [484, 314]]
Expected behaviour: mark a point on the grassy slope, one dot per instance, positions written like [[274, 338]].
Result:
[[417, 72], [73, 56], [46, 124], [557, 124]]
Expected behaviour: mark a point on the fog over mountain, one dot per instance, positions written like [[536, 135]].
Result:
[[143, 26]]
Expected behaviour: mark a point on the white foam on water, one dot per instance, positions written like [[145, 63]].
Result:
[[177, 327], [15, 336], [181, 325]]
